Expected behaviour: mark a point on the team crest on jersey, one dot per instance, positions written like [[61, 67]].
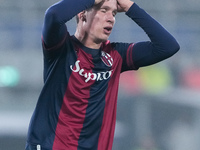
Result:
[[107, 59]]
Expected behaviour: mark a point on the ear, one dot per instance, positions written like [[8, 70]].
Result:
[[82, 16]]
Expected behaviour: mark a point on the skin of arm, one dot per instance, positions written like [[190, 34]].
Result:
[[124, 5]]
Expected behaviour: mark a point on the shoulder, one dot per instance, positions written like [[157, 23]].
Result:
[[62, 47], [115, 46]]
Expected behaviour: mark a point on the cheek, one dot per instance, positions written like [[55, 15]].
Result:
[[96, 24]]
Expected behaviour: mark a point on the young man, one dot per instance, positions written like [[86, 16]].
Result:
[[76, 109]]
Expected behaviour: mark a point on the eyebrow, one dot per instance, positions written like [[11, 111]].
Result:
[[108, 8]]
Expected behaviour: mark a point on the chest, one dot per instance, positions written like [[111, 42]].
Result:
[[94, 68]]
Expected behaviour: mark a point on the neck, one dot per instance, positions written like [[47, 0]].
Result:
[[87, 41]]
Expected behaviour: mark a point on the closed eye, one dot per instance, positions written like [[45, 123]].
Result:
[[103, 10]]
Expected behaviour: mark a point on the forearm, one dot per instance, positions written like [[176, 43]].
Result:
[[56, 16], [162, 44]]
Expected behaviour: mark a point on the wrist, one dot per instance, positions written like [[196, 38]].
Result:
[[128, 5]]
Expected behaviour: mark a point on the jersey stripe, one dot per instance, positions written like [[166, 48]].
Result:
[[91, 127], [72, 113], [129, 56], [108, 126]]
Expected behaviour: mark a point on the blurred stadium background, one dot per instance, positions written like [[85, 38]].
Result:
[[158, 106]]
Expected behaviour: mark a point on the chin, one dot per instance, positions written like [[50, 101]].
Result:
[[105, 38], [100, 40]]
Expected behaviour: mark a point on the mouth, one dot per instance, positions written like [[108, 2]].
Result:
[[107, 30]]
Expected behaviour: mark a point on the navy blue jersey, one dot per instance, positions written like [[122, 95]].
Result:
[[76, 109]]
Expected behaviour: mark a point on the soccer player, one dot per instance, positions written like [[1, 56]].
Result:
[[76, 109]]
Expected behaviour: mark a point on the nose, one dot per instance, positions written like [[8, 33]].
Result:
[[110, 17]]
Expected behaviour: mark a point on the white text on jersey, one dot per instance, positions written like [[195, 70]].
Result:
[[91, 76]]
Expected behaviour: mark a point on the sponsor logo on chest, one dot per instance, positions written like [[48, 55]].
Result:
[[99, 76]]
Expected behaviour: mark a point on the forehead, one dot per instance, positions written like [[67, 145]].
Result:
[[112, 4]]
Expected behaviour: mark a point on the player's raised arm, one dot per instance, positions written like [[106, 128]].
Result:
[[162, 44], [54, 28]]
